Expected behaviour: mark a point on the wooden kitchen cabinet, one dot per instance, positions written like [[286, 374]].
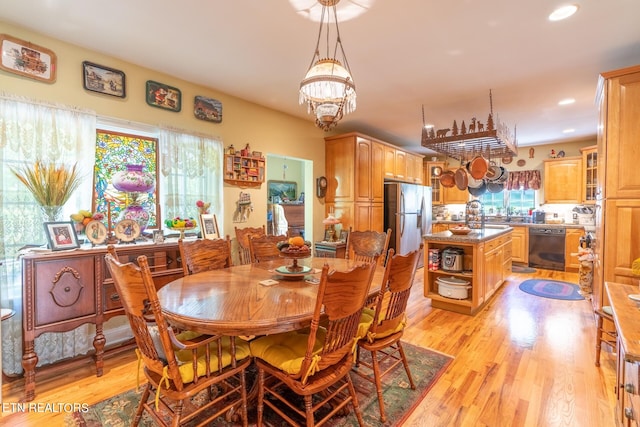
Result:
[[571, 246], [401, 165], [563, 180], [355, 168], [432, 171], [439, 227], [589, 174], [487, 263], [618, 196], [414, 169], [520, 244], [62, 291], [626, 318]]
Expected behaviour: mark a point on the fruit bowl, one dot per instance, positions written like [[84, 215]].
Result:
[[182, 230], [460, 230]]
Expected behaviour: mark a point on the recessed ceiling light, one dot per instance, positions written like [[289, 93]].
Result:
[[567, 101], [563, 12], [568, 131]]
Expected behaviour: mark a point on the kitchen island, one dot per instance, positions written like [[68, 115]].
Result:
[[485, 263]]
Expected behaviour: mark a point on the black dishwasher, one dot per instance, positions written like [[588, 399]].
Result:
[[546, 248]]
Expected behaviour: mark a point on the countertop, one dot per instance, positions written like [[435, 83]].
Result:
[[516, 224], [625, 316], [476, 236]]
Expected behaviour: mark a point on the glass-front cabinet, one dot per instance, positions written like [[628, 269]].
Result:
[[590, 174], [432, 171]]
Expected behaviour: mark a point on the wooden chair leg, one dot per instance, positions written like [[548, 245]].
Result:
[[405, 362], [378, 380], [354, 401], [308, 409], [260, 409], [599, 325], [143, 400]]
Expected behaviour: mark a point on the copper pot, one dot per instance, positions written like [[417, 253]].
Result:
[[447, 179], [461, 178], [478, 167]]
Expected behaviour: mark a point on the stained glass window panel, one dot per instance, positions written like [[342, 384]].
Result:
[[113, 152]]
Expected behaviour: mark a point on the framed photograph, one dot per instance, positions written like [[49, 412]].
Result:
[[209, 226], [27, 59], [101, 79], [207, 109], [164, 96], [61, 235], [282, 191]]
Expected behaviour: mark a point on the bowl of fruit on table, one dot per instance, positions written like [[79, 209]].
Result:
[[295, 248], [181, 224]]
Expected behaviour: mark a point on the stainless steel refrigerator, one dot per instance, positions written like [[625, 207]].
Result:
[[407, 212]]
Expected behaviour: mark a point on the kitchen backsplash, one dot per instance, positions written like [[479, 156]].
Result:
[[569, 213]]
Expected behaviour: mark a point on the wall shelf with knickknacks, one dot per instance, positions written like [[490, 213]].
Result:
[[244, 171]]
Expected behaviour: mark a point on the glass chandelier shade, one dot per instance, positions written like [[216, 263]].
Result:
[[328, 88]]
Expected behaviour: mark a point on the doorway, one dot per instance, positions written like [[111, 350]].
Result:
[[290, 192]]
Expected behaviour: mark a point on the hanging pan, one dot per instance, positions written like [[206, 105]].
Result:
[[495, 187], [479, 166], [447, 179], [477, 192], [461, 178]]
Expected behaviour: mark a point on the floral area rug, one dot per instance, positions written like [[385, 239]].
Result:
[[426, 367], [551, 289]]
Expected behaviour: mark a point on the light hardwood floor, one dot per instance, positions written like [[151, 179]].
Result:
[[521, 361]]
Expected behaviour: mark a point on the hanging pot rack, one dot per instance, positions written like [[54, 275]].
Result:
[[496, 141]]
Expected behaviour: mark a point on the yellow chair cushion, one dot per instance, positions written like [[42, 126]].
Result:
[[366, 319], [380, 333], [184, 357], [286, 351]]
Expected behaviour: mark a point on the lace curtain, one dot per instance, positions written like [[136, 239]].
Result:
[[29, 131], [525, 180], [190, 170]]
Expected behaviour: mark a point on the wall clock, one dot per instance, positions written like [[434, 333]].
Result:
[[321, 186]]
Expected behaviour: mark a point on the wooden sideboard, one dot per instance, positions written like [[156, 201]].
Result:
[[66, 289]]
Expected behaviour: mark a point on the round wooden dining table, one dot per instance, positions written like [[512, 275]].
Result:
[[233, 302]]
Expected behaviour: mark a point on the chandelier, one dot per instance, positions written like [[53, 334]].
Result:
[[328, 88]]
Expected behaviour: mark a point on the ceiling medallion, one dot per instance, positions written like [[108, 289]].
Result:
[[328, 88]]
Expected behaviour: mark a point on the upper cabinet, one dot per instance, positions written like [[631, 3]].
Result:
[[432, 172], [400, 165], [589, 174], [563, 180], [619, 101]]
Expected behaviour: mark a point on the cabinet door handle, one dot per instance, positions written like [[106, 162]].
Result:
[[114, 297], [628, 413], [629, 388]]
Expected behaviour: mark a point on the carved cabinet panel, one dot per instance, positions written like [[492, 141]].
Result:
[[64, 290]]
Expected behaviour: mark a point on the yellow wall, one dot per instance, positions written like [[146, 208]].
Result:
[[266, 130]]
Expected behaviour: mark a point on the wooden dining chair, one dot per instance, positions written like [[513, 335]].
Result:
[[203, 254], [178, 367], [265, 248], [387, 322], [315, 362], [242, 236], [604, 333], [367, 246]]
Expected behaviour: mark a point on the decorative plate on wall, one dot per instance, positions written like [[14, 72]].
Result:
[[507, 159], [521, 162]]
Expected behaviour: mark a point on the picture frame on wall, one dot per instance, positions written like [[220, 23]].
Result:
[[104, 80], [207, 109], [163, 96], [27, 59], [282, 191], [61, 235]]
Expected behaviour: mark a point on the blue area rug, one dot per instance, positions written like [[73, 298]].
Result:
[[551, 289]]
